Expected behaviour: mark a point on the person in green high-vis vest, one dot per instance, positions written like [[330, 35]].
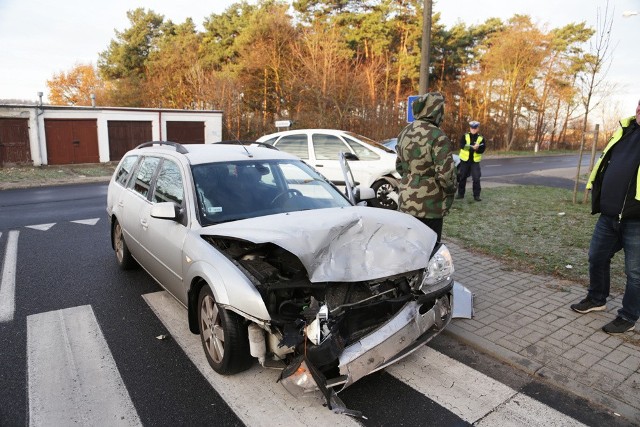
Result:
[[472, 145]]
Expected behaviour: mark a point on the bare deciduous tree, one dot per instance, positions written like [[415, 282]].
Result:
[[592, 78]]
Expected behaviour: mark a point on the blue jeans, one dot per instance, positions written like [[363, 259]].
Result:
[[609, 237]]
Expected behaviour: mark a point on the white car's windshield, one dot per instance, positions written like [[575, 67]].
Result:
[[229, 191]]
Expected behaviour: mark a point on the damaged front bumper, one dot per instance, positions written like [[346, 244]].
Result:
[[409, 329], [413, 326]]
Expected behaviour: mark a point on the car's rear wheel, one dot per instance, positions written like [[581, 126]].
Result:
[[123, 256], [382, 188], [223, 335]]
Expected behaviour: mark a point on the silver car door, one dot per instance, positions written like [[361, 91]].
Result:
[[134, 201], [164, 238]]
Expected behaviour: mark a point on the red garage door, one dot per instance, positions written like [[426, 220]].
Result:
[[125, 136], [71, 141], [186, 132], [14, 141]]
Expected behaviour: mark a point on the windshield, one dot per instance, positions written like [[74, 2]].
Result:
[[369, 141], [229, 191]]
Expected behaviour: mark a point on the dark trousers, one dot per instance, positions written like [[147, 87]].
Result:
[[609, 236], [464, 170], [435, 224]]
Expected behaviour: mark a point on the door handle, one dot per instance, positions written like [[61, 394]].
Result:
[[144, 223], [319, 166], [121, 204]]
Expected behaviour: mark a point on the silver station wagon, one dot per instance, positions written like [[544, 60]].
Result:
[[273, 263]]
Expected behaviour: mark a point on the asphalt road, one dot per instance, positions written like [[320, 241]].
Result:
[[551, 171]]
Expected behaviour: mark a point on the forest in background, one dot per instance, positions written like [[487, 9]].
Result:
[[351, 65]]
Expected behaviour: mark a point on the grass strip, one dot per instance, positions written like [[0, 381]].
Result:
[[532, 228]]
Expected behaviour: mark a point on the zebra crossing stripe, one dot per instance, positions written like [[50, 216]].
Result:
[[253, 395], [72, 376], [473, 396], [8, 281], [258, 400]]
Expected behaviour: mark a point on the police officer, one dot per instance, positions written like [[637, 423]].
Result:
[[472, 145]]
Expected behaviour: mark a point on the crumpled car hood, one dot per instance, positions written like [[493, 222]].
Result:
[[341, 244]]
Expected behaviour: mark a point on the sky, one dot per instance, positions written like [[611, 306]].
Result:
[[39, 38]]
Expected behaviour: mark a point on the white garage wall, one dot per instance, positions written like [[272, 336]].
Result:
[[158, 117]]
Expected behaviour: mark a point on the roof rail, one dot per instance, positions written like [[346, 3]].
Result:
[[179, 147], [247, 142]]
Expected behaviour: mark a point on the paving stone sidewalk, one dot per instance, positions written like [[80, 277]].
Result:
[[524, 319]]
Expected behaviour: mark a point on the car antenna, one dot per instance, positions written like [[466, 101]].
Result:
[[237, 141]]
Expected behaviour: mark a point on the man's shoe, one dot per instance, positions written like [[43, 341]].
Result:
[[459, 196], [587, 306], [477, 198], [618, 326]]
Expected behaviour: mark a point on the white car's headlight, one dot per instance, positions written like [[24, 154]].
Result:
[[440, 268]]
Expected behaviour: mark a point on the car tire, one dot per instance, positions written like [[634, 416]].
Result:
[[223, 335], [123, 256], [382, 188]]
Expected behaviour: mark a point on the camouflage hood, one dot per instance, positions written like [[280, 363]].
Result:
[[429, 107]]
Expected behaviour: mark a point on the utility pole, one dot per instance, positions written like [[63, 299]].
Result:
[[425, 47]]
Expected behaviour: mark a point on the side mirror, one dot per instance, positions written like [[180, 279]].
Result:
[[364, 193], [351, 156], [165, 210], [349, 181]]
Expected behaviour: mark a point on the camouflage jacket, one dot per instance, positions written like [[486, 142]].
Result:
[[425, 163]]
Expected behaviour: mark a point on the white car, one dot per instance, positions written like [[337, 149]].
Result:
[[273, 263], [373, 164]]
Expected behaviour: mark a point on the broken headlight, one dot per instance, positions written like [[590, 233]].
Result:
[[440, 268]]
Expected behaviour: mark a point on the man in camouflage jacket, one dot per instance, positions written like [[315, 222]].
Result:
[[425, 164]]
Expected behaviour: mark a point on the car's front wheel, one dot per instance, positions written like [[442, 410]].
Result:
[[224, 336], [382, 188], [123, 256]]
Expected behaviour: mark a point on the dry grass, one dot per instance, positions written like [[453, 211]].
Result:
[[35, 176], [528, 227]]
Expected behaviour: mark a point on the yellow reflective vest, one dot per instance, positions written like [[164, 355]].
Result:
[[624, 123], [464, 152]]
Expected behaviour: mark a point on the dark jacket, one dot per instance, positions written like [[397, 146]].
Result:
[[631, 208]]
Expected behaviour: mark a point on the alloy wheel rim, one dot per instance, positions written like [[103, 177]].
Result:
[[383, 195], [119, 243], [211, 327]]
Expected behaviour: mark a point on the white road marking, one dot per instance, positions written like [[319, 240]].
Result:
[[473, 396], [8, 283], [41, 227], [254, 394], [72, 377], [259, 401], [92, 221], [491, 166]]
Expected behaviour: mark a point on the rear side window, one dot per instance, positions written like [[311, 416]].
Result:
[[294, 144], [124, 171], [146, 170], [270, 141], [169, 186]]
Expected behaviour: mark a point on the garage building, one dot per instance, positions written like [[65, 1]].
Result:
[[57, 135]]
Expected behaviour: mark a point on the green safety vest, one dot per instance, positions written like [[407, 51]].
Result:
[[464, 152], [624, 123]]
